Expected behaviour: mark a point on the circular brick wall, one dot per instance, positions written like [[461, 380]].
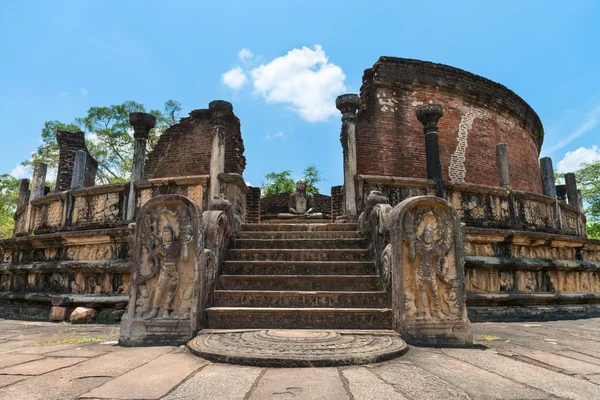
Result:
[[478, 115]]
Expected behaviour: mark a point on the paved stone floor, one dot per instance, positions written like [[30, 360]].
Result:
[[550, 360]]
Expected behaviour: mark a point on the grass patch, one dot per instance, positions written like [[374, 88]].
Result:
[[490, 338], [67, 337]]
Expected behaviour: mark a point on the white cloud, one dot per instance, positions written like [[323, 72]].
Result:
[[304, 80], [591, 121], [235, 78], [248, 184], [245, 54], [83, 91], [62, 94], [274, 136], [19, 172], [93, 137], [573, 159]]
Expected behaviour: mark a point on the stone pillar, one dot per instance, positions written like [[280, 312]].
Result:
[[429, 116], [220, 110], [141, 123], [38, 182], [548, 184], [78, 178], [503, 165], [348, 105], [572, 195], [23, 192]]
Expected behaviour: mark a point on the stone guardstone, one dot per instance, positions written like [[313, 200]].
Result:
[[166, 300], [426, 265], [82, 315]]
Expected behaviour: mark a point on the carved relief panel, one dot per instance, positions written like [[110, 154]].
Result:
[[166, 270], [428, 287]]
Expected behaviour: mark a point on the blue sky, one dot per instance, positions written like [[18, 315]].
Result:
[[61, 57]]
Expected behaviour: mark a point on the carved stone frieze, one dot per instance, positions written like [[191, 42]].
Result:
[[428, 288]]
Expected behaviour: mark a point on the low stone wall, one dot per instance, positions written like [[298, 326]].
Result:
[[484, 206], [272, 205]]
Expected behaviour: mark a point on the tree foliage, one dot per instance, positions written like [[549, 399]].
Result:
[[9, 195], [110, 138], [588, 181], [282, 182]]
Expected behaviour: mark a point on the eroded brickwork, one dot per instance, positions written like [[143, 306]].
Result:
[[390, 140], [253, 205], [185, 148], [337, 201], [68, 144]]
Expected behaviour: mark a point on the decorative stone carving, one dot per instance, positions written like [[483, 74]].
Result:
[[169, 265], [427, 268], [301, 204]]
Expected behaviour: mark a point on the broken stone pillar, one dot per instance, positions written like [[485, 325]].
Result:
[[425, 259], [23, 192], [429, 116], [348, 105], [220, 110], [38, 182], [503, 165], [78, 178], [171, 272], [141, 123], [548, 183], [572, 194]]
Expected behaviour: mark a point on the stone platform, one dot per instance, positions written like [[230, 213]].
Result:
[[297, 347]]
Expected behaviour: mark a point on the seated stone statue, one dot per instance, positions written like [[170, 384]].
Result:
[[301, 204]]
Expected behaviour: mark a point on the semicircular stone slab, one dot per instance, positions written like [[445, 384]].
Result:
[[297, 348]]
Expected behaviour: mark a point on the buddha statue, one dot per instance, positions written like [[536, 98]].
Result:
[[301, 204]]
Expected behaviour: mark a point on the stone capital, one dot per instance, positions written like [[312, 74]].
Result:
[[348, 104], [220, 109], [429, 116], [142, 123]]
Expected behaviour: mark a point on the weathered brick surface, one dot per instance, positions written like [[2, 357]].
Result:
[[478, 115], [68, 144], [270, 206], [185, 148], [253, 205], [337, 201]]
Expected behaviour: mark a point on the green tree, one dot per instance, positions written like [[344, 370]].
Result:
[[282, 182], [9, 195], [278, 182], [588, 180], [110, 138]]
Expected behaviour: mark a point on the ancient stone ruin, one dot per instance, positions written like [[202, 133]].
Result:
[[446, 215]]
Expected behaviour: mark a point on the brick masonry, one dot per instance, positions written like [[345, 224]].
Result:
[[478, 115], [68, 144], [253, 205], [185, 148], [337, 201]]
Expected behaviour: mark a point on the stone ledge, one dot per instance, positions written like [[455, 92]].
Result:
[[529, 264], [178, 181], [108, 266], [396, 180], [104, 189], [66, 299], [523, 299], [532, 313]]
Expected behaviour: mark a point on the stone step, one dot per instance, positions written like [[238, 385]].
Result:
[[299, 227], [299, 255], [299, 318], [299, 268], [301, 299], [298, 235], [299, 244], [300, 282]]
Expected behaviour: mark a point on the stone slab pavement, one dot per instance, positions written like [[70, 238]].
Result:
[[524, 360]]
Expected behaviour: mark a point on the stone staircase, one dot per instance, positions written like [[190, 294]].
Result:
[[299, 276]]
